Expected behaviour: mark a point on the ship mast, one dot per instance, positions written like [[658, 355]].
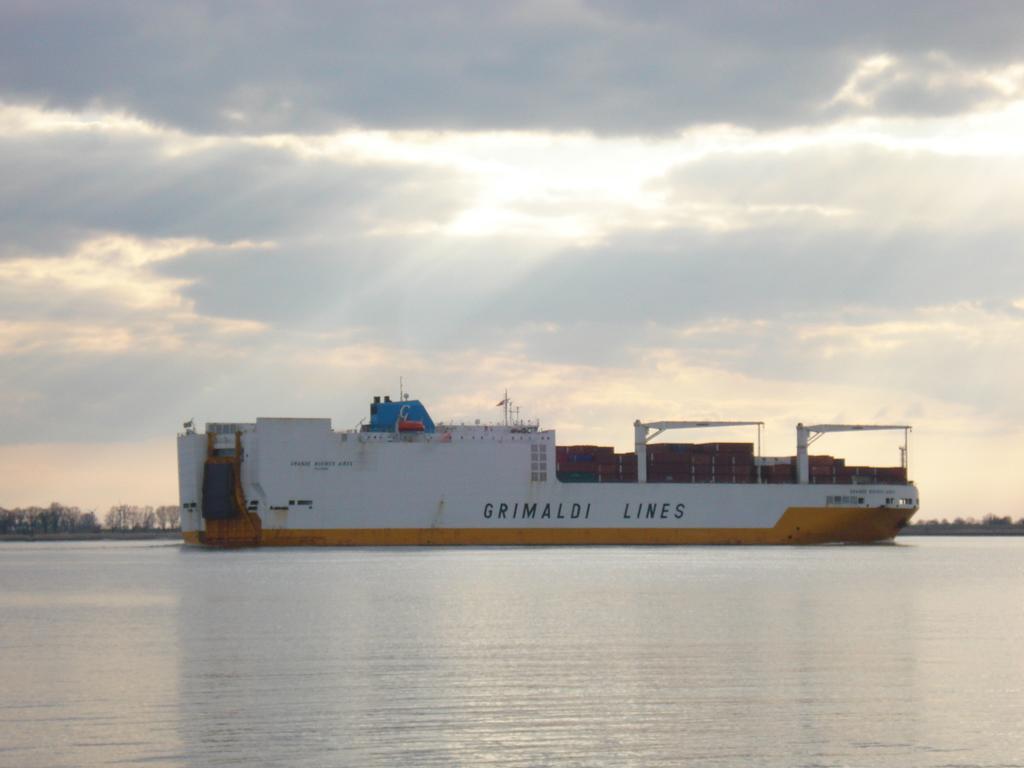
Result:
[[507, 404]]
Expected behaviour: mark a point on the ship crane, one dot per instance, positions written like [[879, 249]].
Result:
[[807, 435], [642, 432]]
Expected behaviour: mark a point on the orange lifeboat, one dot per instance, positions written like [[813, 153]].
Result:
[[410, 426]]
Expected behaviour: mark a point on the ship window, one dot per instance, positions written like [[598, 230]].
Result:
[[840, 500], [539, 462]]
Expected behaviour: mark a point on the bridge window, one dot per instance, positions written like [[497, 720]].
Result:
[[538, 462]]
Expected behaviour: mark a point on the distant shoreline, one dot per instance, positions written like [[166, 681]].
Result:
[[925, 529], [99, 536]]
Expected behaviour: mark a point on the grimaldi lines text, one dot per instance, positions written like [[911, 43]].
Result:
[[535, 510], [402, 480]]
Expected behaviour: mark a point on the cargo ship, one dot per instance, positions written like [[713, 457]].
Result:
[[402, 480]]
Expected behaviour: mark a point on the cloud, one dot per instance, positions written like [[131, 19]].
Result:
[[115, 172], [143, 252], [607, 67], [928, 85], [66, 183]]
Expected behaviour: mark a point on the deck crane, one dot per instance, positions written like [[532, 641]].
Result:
[[642, 430], [807, 435]]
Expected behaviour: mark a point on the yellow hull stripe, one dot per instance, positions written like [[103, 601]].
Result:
[[799, 525]]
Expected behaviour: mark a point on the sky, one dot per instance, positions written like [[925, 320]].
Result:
[[791, 212]]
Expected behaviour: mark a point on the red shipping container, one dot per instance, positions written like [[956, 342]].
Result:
[[657, 448], [590, 449], [733, 448], [671, 460], [891, 474]]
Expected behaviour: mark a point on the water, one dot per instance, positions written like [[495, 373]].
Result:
[[154, 654]]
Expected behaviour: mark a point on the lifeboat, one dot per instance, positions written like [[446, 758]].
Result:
[[411, 426]]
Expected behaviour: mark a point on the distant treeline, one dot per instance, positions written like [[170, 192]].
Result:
[[990, 525], [988, 521], [58, 518]]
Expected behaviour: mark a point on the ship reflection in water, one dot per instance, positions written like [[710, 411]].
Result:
[[164, 655]]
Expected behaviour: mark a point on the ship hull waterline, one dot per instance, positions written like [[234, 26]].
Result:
[[797, 526]]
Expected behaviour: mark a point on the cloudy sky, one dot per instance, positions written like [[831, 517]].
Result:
[[791, 211]]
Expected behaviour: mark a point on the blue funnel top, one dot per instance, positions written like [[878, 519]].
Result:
[[386, 414]]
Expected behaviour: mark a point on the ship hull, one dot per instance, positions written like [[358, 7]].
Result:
[[296, 482], [798, 525]]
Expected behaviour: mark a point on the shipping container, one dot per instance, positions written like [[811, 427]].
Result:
[[891, 474], [589, 449], [576, 466], [670, 460], [740, 448]]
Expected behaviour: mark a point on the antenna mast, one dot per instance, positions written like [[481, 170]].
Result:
[[505, 403]]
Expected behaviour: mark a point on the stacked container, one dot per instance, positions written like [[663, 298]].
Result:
[[586, 463], [666, 463], [778, 471], [708, 463]]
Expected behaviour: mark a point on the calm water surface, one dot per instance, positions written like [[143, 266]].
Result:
[[154, 654]]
